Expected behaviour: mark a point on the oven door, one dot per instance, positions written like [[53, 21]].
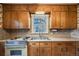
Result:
[[16, 52]]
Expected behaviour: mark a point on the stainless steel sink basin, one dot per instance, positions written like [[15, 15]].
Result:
[[40, 38]]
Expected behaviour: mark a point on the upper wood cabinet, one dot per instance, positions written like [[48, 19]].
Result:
[[55, 20], [7, 20], [15, 7], [72, 16], [16, 20], [64, 19]]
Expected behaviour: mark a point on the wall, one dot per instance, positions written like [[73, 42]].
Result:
[[23, 33]]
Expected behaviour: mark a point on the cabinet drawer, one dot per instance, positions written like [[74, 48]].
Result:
[[33, 44], [45, 44]]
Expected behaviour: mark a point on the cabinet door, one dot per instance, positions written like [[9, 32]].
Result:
[[33, 51], [33, 48], [14, 20], [55, 21], [58, 49], [45, 49], [64, 20], [7, 20], [77, 48], [23, 18], [70, 48], [63, 48], [2, 49], [73, 20]]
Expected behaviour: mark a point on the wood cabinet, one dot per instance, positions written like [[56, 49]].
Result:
[[60, 20], [64, 17], [16, 20], [2, 49], [54, 48], [72, 19], [63, 48], [33, 49], [45, 49], [55, 21], [64, 20], [39, 49], [6, 20]]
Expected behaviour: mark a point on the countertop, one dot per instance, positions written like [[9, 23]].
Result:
[[58, 39], [51, 39]]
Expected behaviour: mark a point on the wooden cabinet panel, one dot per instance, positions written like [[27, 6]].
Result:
[[45, 44], [33, 48], [6, 20], [2, 49], [57, 48], [63, 48], [73, 20], [55, 21], [64, 20], [24, 19], [45, 49], [39, 48], [72, 8], [16, 20], [77, 48], [33, 51]]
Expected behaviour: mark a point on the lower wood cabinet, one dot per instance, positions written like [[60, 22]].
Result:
[[77, 48], [63, 48], [39, 49], [45, 49], [33, 49], [2, 49], [55, 48]]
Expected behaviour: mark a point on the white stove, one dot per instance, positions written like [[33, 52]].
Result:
[[15, 48]]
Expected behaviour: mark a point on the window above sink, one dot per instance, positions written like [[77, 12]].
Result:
[[39, 23]]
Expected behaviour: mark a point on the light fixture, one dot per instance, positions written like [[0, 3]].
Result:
[[39, 12]]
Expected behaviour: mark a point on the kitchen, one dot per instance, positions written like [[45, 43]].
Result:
[[39, 29]]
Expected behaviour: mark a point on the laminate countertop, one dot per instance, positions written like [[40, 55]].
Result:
[[57, 39], [51, 39]]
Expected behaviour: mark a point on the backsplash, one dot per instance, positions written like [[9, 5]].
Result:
[[7, 34]]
